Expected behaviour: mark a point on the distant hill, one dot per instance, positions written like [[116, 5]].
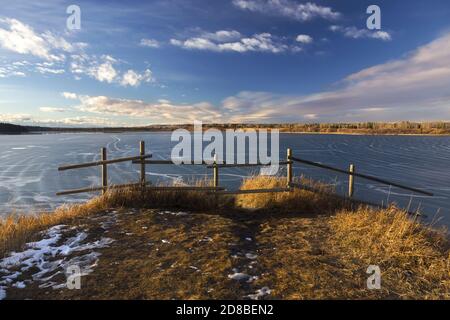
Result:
[[7, 128]]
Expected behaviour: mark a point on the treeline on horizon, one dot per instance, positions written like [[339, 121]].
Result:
[[8, 128], [402, 127]]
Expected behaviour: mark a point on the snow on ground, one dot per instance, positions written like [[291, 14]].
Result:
[[240, 276], [247, 271], [180, 213], [251, 256], [260, 293], [51, 256]]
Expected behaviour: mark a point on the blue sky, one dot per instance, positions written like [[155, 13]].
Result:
[[175, 61]]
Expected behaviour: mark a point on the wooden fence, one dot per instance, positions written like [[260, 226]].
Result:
[[145, 160]]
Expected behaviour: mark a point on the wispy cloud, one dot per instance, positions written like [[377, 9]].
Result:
[[69, 95], [20, 38], [304, 38], [53, 52], [15, 117], [233, 41], [163, 111], [288, 8], [355, 33], [134, 79], [104, 69], [151, 43], [52, 109]]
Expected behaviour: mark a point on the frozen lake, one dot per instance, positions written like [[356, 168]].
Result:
[[29, 178]]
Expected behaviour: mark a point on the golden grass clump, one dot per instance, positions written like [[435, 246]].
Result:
[[296, 199], [413, 257], [16, 230]]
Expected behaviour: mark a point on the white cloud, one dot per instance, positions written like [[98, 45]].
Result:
[[288, 8], [45, 70], [105, 72], [104, 69], [80, 121], [162, 112], [83, 120], [21, 38], [52, 109], [222, 35], [304, 38], [19, 117], [220, 42], [134, 79], [69, 95], [11, 71], [151, 43], [310, 116], [355, 33]]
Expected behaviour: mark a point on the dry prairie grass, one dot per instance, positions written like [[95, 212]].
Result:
[[321, 201], [414, 258], [308, 245], [16, 230]]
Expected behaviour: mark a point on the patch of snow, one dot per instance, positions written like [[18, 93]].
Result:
[[2, 293], [239, 276], [107, 224], [180, 213], [19, 285], [49, 256], [165, 241], [260, 293], [251, 256], [249, 239]]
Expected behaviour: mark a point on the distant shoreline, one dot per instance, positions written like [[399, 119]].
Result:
[[403, 128], [281, 132]]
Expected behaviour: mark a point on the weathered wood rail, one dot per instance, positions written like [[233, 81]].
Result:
[[143, 160]]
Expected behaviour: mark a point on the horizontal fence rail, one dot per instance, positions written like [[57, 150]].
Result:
[[360, 175], [102, 162], [168, 162], [144, 159], [243, 165]]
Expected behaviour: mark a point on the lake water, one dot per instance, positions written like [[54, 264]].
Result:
[[29, 178]]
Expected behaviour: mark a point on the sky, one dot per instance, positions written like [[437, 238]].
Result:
[[134, 63]]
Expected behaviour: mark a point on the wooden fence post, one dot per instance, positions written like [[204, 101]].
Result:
[[215, 172], [104, 171], [142, 153], [351, 181], [289, 167]]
